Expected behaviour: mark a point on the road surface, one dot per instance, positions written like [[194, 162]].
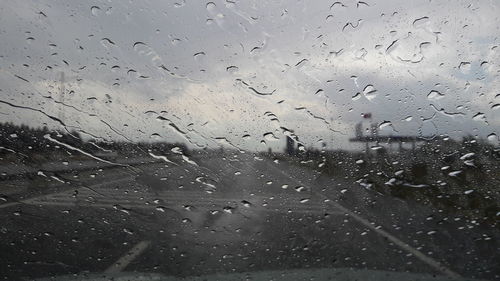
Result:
[[226, 213]]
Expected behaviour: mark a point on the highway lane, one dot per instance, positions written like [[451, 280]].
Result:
[[231, 213]]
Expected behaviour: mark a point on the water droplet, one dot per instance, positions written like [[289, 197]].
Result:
[[95, 10], [468, 191], [492, 137], [420, 22], [370, 92], [467, 156], [161, 209], [434, 95], [304, 200], [285, 186], [384, 124], [270, 137], [199, 55], [360, 54], [300, 188], [246, 203], [232, 69], [479, 117], [464, 66], [188, 207], [228, 209], [175, 41], [180, 4], [156, 136], [301, 63], [106, 42], [137, 45], [211, 6]]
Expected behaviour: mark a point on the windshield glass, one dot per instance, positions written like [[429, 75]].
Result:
[[263, 139]]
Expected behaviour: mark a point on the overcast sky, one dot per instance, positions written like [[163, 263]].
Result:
[[232, 72]]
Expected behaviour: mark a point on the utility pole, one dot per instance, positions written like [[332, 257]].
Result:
[[372, 133], [333, 137], [62, 95]]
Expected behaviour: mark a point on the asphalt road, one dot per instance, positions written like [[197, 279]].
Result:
[[227, 213]]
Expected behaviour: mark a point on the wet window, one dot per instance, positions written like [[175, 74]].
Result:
[[249, 140]]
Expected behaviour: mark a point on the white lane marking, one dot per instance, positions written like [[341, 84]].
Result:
[[405, 246], [28, 201], [6, 205], [126, 259], [428, 260], [69, 192]]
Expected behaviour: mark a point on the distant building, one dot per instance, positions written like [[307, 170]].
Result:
[[373, 136], [374, 130], [290, 146], [359, 130]]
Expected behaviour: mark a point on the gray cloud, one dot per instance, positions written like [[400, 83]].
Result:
[[203, 65]]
